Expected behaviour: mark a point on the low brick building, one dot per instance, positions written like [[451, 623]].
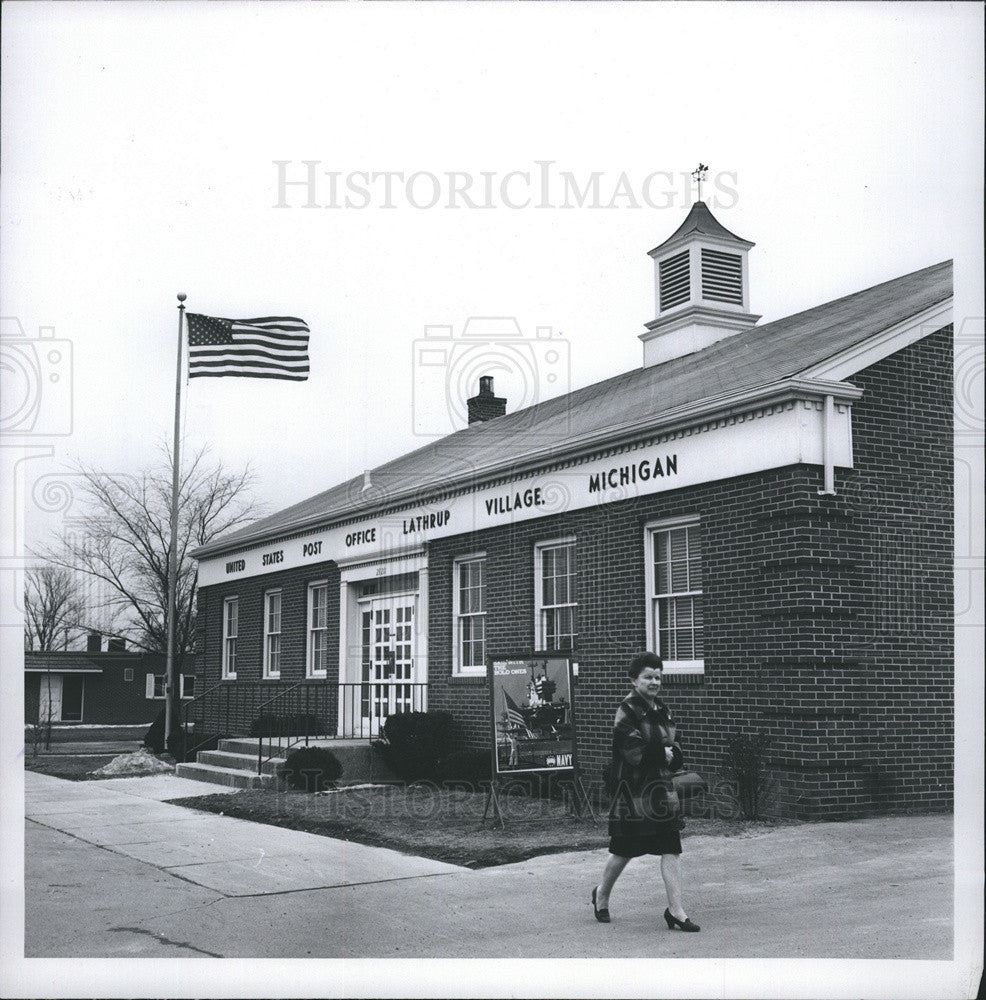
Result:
[[769, 507], [92, 686]]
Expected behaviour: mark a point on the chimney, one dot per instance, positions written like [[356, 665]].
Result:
[[116, 646], [486, 406], [94, 642], [700, 277]]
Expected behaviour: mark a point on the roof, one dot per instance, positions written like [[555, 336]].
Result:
[[757, 357], [81, 662], [701, 221]]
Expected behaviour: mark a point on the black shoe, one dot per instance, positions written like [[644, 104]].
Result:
[[601, 915], [685, 925]]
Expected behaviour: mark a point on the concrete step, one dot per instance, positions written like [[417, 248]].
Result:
[[238, 761], [229, 776]]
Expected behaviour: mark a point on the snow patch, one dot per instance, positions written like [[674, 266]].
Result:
[[139, 762]]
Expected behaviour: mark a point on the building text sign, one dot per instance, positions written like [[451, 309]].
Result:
[[785, 436]]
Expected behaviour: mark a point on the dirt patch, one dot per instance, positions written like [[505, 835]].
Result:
[[438, 823], [74, 768]]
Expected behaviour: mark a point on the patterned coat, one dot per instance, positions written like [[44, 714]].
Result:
[[640, 770]]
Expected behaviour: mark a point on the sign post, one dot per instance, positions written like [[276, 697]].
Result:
[[533, 725]]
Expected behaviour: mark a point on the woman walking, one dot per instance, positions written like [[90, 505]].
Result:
[[644, 816]]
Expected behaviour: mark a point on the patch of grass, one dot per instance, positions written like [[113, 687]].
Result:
[[442, 824], [75, 767]]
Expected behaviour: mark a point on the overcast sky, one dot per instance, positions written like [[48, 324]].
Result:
[[141, 148], [141, 145]]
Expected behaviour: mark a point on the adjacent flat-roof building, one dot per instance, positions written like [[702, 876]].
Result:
[[769, 507]]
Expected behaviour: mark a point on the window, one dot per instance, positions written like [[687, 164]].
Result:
[[128, 673], [674, 588], [469, 614], [272, 634], [318, 636], [187, 682], [231, 616], [554, 595], [154, 686]]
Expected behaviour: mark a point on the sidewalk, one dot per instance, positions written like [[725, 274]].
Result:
[[111, 870]]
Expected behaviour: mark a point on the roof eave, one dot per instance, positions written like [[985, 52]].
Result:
[[611, 437]]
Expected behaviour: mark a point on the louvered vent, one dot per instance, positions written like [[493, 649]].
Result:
[[674, 281], [722, 276]]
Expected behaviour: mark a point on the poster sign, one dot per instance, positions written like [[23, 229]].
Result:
[[532, 715]]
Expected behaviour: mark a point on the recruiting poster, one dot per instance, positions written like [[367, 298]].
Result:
[[533, 723]]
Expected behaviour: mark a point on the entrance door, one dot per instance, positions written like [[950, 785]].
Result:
[[387, 660], [50, 701]]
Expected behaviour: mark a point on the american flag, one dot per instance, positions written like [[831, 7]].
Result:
[[513, 714], [267, 347]]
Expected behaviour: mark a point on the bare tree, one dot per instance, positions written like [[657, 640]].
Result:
[[123, 533], [53, 607], [53, 611]]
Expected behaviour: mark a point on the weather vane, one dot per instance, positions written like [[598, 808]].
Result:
[[699, 175]]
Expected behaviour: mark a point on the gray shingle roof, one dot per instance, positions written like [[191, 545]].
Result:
[[756, 357], [700, 220]]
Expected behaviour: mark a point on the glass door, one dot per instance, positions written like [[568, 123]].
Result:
[[387, 660]]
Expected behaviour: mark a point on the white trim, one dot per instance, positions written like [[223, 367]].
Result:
[[310, 672], [227, 674], [181, 686], [540, 639], [150, 684], [883, 344], [686, 421], [664, 524], [458, 670], [269, 674]]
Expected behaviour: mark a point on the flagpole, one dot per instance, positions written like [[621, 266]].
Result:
[[169, 678]]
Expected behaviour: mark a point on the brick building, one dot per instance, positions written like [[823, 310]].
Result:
[[767, 506], [115, 686]]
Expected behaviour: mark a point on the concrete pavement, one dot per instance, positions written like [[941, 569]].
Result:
[[111, 870]]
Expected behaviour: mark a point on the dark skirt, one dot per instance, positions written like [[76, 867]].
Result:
[[665, 839]]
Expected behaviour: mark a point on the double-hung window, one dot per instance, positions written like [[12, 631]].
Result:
[[674, 594], [318, 635], [469, 615], [555, 609], [231, 617], [272, 634]]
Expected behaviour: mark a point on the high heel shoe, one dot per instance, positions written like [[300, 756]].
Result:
[[601, 915], [672, 922]]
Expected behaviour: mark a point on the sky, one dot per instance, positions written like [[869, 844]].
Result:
[[144, 148], [158, 149]]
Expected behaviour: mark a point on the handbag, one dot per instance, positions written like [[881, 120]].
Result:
[[688, 784]]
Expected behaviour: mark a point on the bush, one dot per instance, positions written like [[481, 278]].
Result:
[[286, 725], [465, 767], [312, 769], [746, 766], [416, 743]]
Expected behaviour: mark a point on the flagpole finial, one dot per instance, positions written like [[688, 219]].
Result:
[[182, 296]]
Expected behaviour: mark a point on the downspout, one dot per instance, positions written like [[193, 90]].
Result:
[[828, 446]]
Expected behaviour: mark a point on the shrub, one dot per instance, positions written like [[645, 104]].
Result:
[[286, 725], [416, 743], [312, 769], [746, 766]]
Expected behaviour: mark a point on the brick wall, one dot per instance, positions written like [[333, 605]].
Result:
[[828, 619], [107, 697]]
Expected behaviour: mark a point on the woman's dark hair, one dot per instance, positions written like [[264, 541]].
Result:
[[642, 661]]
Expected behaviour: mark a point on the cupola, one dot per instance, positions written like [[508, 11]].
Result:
[[702, 288]]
